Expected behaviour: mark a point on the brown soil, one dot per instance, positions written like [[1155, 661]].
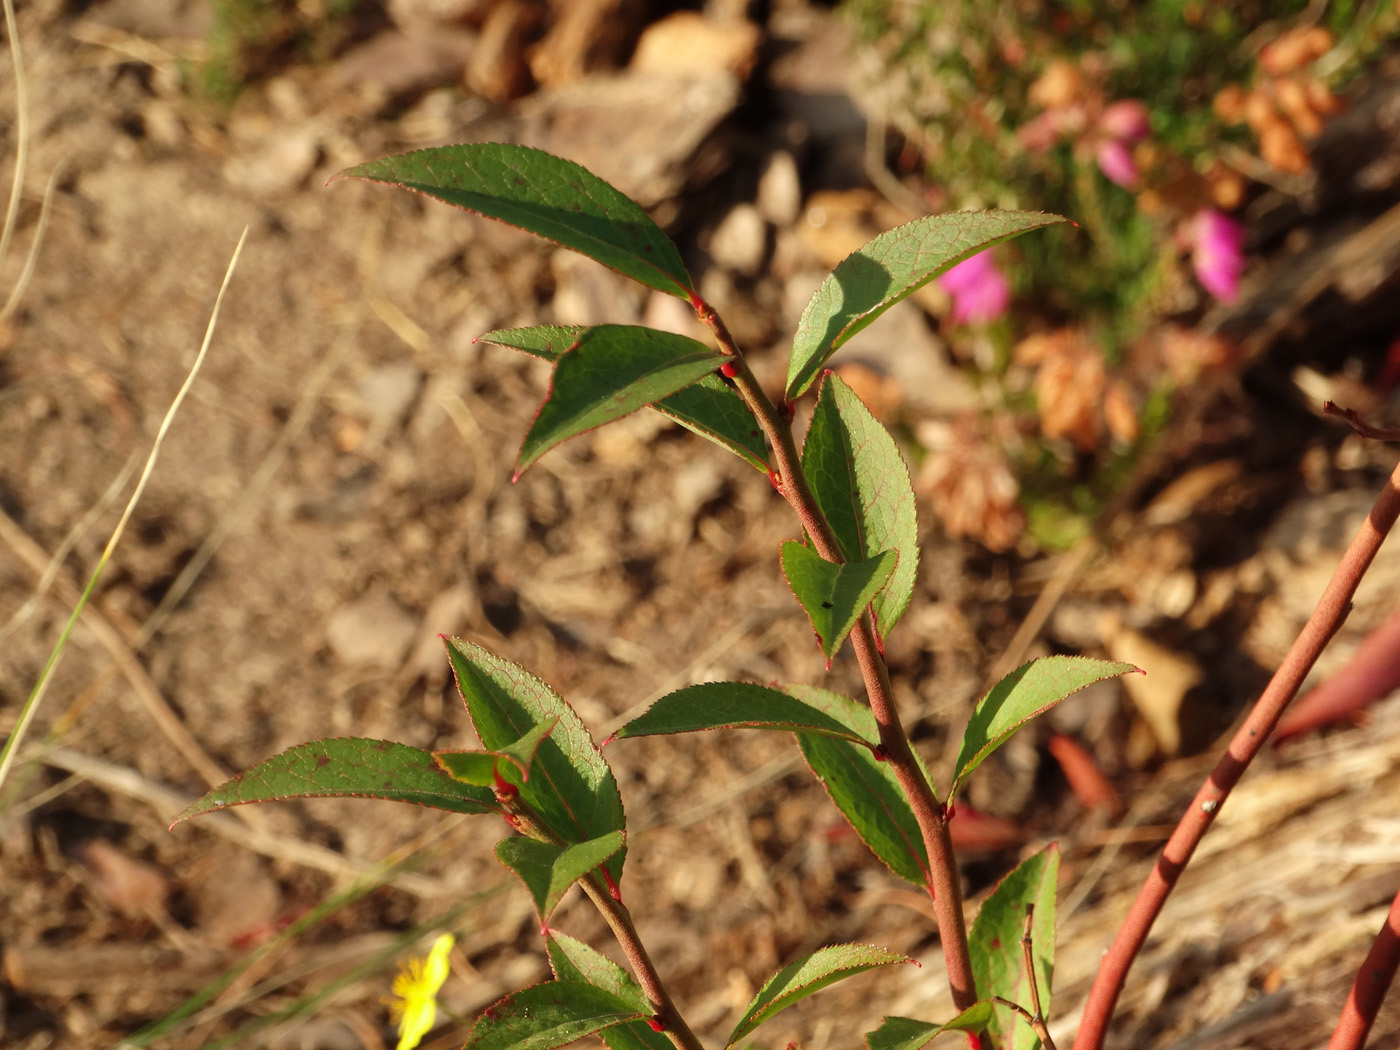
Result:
[[336, 492]]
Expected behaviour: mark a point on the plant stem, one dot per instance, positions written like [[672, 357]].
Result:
[[943, 885], [1331, 611], [1033, 1021], [1372, 982], [619, 919]]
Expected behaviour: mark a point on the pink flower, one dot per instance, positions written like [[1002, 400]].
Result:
[[1217, 253], [1116, 162], [1126, 121], [1120, 127], [980, 292]]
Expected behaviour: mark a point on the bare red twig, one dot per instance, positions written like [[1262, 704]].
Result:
[[1329, 615], [1372, 982], [1360, 425]]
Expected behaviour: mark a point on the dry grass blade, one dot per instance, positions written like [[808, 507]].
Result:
[[31, 706]]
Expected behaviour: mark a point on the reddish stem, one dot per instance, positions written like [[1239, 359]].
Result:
[[1372, 982], [787, 477], [619, 919], [1329, 615]]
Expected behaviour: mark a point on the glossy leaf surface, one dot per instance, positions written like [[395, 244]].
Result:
[[511, 764], [833, 596], [570, 786], [548, 1015], [887, 269], [808, 975], [548, 870], [546, 195], [1030, 690], [611, 371], [736, 705], [707, 407], [905, 1033], [863, 788], [573, 960], [998, 960], [348, 767], [862, 485]]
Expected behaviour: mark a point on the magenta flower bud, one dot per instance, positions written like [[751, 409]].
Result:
[[1116, 162], [980, 292], [1127, 121], [1218, 253]]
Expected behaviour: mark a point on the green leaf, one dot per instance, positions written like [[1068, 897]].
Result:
[[548, 1015], [348, 767], [862, 485], [549, 870], [1030, 690], [545, 341], [998, 960], [833, 595], [709, 407], [715, 410], [863, 788], [736, 705], [875, 277], [546, 195], [905, 1033], [808, 975], [572, 960], [570, 786], [483, 767], [611, 371]]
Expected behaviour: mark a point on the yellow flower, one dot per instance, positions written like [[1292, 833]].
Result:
[[414, 1005]]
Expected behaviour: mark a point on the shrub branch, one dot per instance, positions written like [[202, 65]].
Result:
[[1327, 617], [788, 479]]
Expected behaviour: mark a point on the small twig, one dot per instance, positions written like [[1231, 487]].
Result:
[[1036, 1024], [1331, 610], [1028, 951], [1373, 980], [1360, 425]]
